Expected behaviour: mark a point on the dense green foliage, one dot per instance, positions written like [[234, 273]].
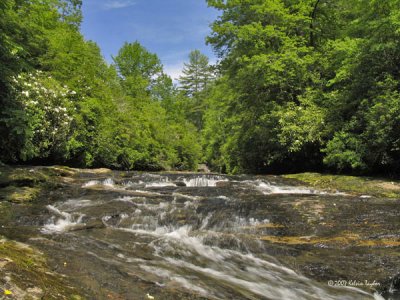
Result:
[[62, 103], [306, 84], [195, 81], [301, 85]]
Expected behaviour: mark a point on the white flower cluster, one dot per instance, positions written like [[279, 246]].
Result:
[[47, 106]]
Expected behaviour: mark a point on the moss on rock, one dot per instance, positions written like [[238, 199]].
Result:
[[25, 274], [351, 184], [19, 194], [25, 184]]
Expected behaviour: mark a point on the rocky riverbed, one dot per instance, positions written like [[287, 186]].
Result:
[[101, 234]]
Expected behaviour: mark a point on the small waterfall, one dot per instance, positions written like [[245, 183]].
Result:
[[62, 222], [109, 182], [204, 181], [158, 181], [268, 188]]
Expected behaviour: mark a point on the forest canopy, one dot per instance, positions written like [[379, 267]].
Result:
[[300, 85], [62, 103], [305, 85]]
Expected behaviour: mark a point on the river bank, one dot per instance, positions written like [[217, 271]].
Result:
[[335, 230], [368, 186]]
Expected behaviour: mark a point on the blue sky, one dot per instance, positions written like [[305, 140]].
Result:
[[170, 28]]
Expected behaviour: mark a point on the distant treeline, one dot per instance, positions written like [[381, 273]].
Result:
[[300, 85]]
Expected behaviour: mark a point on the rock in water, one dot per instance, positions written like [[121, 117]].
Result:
[[203, 168]]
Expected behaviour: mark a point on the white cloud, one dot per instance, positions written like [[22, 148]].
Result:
[[116, 4], [174, 71]]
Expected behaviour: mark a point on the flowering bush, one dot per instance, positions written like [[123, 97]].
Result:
[[46, 108]]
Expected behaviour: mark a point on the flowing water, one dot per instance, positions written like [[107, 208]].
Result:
[[174, 236]]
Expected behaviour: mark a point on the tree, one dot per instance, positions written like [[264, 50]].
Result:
[[364, 92], [23, 34], [71, 12], [138, 68], [197, 74], [62, 103], [269, 64], [194, 83], [309, 82]]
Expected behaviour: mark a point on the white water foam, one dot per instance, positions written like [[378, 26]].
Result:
[[190, 197], [268, 280], [205, 221], [109, 182], [251, 222], [76, 204], [128, 184], [267, 188], [184, 249], [147, 193], [159, 184], [63, 222], [129, 199], [256, 277], [163, 273], [161, 181], [378, 297], [204, 181], [187, 285]]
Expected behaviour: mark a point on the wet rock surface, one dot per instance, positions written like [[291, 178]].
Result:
[[24, 274], [123, 235]]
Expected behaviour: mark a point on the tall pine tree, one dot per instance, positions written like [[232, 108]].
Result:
[[196, 78], [197, 74]]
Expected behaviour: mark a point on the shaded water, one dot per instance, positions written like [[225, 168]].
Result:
[[177, 237]]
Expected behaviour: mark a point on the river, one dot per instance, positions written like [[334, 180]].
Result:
[[189, 236]]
